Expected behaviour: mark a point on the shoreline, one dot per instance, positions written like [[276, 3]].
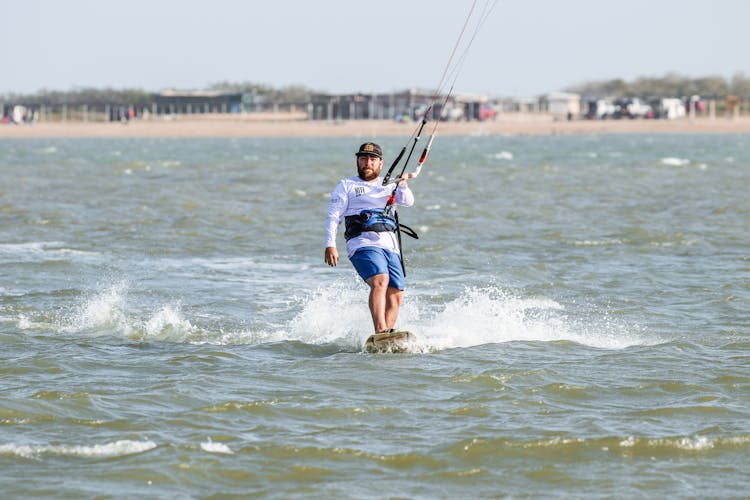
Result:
[[229, 127]]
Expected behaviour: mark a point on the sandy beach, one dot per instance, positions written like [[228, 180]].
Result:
[[237, 126]]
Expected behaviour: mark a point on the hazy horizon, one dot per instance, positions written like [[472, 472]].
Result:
[[338, 46]]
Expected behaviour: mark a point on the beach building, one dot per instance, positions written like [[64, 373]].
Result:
[[519, 105], [406, 105], [563, 104], [396, 105], [172, 101]]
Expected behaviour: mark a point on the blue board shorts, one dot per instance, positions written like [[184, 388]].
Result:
[[369, 261]]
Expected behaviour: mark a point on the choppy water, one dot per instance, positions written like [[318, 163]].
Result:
[[168, 327]]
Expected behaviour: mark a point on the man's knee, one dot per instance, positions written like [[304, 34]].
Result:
[[378, 281]]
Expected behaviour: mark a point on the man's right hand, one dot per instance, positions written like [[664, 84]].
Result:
[[331, 256]]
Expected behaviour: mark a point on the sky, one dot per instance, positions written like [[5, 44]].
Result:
[[524, 48]]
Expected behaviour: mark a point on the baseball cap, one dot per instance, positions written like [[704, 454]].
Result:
[[370, 148]]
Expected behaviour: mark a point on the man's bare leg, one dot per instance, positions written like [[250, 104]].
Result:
[[393, 298], [378, 301]]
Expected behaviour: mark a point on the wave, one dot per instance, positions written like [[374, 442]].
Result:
[[338, 315], [503, 155], [107, 450], [105, 313], [478, 316], [675, 162], [114, 449], [41, 251], [566, 448], [470, 450], [211, 447]]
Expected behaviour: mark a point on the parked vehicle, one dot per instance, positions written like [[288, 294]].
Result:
[[669, 108], [632, 108], [599, 109], [487, 112]]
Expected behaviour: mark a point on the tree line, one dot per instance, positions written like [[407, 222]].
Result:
[[137, 97], [669, 85]]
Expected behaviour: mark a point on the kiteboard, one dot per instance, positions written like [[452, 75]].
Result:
[[397, 341]]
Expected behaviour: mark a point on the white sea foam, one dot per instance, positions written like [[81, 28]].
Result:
[[105, 313], [675, 162], [212, 447], [695, 443], [504, 155], [597, 243], [115, 449], [687, 443], [628, 442], [339, 313], [492, 315], [330, 314], [41, 250], [102, 311], [25, 323], [26, 248], [168, 324]]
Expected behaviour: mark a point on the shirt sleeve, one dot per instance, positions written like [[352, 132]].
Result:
[[336, 207], [404, 196]]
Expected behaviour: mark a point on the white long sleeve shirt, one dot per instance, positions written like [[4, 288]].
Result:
[[353, 195]]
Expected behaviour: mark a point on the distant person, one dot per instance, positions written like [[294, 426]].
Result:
[[371, 241]]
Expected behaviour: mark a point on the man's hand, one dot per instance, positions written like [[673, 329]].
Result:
[[331, 256]]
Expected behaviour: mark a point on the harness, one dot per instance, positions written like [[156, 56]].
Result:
[[374, 220]]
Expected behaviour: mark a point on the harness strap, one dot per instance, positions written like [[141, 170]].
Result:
[[374, 220], [408, 231]]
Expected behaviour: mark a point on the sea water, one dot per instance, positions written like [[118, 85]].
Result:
[[168, 327]]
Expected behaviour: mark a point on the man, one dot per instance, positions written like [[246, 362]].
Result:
[[371, 241]]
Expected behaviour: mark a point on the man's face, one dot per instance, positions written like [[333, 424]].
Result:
[[368, 167]]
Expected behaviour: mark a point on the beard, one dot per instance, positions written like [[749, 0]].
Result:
[[368, 174]]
